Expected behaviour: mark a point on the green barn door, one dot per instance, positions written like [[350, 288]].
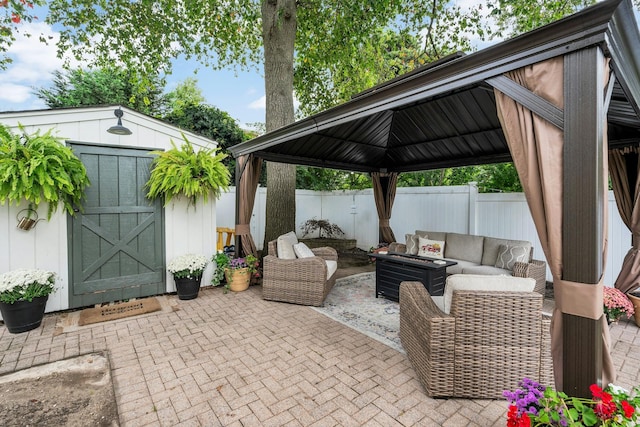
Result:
[[116, 246]]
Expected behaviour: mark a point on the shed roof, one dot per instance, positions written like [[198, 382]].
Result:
[[90, 124], [444, 114]]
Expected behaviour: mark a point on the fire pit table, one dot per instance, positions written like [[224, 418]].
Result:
[[393, 268]]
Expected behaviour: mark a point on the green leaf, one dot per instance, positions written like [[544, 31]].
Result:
[[39, 170], [188, 173], [589, 417]]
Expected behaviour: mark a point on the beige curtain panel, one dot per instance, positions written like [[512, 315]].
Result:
[[624, 165], [384, 193], [537, 150], [249, 167]]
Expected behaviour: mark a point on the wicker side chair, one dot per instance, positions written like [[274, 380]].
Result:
[[298, 281], [489, 341]]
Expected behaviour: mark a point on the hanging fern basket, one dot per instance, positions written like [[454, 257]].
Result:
[[186, 172], [39, 168]]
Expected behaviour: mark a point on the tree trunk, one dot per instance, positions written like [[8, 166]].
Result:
[[279, 24]]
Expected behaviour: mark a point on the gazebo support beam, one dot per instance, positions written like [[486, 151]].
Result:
[[583, 211], [240, 167]]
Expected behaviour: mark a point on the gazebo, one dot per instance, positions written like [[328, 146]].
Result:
[[562, 102]]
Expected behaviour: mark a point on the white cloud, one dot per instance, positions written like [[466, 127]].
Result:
[[32, 59], [259, 104], [32, 66], [14, 93]]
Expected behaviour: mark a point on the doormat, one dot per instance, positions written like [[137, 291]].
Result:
[[118, 311]]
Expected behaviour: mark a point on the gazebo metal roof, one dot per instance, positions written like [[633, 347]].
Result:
[[444, 114]]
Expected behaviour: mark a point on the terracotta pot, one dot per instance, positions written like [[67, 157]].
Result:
[[23, 316], [635, 300], [188, 288], [238, 280]]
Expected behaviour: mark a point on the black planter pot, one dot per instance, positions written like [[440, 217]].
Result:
[[188, 288], [23, 316]]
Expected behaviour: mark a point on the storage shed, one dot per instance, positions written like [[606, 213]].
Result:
[[118, 247]]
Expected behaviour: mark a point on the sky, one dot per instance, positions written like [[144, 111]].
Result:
[[240, 94]]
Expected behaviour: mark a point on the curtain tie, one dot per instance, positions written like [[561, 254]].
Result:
[[635, 240], [384, 223], [242, 229], [579, 299]]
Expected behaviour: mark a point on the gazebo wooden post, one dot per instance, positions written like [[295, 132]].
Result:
[[238, 239], [583, 211]]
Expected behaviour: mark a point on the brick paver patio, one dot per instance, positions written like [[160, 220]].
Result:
[[237, 360]]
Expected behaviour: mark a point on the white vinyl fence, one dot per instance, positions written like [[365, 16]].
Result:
[[458, 209]]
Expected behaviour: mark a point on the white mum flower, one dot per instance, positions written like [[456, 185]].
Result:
[[188, 265]]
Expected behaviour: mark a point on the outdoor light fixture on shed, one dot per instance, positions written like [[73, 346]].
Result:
[[119, 129]]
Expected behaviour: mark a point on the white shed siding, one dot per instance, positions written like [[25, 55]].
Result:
[[45, 246]]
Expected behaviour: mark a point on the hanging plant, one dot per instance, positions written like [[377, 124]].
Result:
[[188, 173], [40, 168]]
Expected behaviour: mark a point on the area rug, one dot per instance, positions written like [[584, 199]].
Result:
[[353, 302], [118, 311]]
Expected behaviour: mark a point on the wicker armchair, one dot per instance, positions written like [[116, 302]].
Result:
[[298, 281], [489, 341], [535, 269]]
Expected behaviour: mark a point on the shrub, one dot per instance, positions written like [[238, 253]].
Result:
[[323, 227]]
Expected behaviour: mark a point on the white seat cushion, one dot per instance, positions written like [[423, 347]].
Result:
[[439, 302], [332, 266], [476, 282], [461, 265]]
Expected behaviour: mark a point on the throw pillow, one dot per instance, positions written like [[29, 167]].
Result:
[[411, 241], [430, 248], [303, 251], [509, 255], [285, 245]]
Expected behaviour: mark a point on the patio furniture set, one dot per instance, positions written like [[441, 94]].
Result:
[[466, 334], [477, 254]]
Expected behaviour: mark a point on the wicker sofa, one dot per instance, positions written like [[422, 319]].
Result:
[[304, 281], [480, 255], [487, 343]]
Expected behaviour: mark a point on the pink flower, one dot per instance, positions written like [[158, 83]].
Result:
[[616, 303]]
